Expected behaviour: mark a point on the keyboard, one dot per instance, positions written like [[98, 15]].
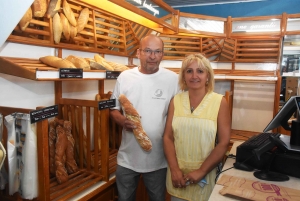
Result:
[[258, 140]]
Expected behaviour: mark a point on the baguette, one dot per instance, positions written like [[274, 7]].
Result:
[[117, 66], [60, 155], [78, 62], [53, 8], [94, 65], [139, 133], [25, 20], [1, 156], [57, 28], [102, 62], [83, 19], [52, 141], [69, 13], [39, 8], [65, 26], [71, 164], [73, 32], [56, 62]]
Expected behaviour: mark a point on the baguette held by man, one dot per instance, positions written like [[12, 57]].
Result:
[[139, 133]]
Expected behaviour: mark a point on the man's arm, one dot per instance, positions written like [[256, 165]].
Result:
[[121, 120]]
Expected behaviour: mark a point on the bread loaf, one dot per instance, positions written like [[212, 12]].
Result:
[[60, 155], [53, 8], [78, 62], [57, 28], [1, 156], [102, 62], [69, 13], [117, 66], [39, 8], [56, 62], [52, 141], [71, 164], [65, 26], [94, 65], [73, 32], [83, 19], [25, 20], [133, 115]]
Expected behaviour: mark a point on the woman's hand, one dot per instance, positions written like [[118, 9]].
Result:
[[178, 179], [193, 177]]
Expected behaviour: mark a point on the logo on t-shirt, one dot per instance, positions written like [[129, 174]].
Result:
[[158, 94]]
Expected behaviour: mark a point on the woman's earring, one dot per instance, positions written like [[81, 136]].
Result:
[[206, 83]]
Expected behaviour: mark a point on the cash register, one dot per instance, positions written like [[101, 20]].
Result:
[[274, 155]]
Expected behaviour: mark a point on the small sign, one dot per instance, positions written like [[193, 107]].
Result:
[[112, 74], [107, 104], [70, 73], [45, 113]]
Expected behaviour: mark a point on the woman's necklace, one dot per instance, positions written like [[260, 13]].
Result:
[[192, 109], [197, 103]]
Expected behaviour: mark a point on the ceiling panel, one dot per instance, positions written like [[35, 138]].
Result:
[[184, 3]]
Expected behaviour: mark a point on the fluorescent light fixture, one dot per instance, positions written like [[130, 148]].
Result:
[[127, 11]]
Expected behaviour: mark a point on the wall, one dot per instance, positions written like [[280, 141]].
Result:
[[9, 19]]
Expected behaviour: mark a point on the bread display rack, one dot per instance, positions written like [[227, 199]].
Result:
[[90, 172], [95, 165]]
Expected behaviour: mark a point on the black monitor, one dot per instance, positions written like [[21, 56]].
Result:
[[291, 106], [284, 114]]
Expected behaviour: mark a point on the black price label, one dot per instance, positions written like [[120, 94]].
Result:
[[70, 73], [45, 113], [106, 104], [112, 74]]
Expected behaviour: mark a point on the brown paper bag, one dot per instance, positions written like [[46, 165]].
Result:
[[256, 190]]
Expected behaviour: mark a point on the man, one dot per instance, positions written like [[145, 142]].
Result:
[[150, 89]]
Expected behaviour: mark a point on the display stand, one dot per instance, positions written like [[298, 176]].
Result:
[[268, 175]]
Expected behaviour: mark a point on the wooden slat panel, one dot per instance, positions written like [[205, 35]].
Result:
[[226, 46], [212, 53], [258, 49], [96, 145], [259, 44], [257, 55], [88, 138], [227, 56], [104, 144]]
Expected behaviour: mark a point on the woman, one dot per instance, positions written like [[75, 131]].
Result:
[[195, 118]]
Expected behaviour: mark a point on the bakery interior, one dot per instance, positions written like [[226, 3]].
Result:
[[253, 46]]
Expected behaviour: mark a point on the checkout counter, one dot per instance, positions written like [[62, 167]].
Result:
[[293, 182]]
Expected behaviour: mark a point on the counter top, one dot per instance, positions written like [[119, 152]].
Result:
[[216, 196]]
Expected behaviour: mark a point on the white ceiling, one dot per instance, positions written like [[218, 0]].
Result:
[[184, 3]]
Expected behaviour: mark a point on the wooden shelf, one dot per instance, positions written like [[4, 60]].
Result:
[[34, 69]]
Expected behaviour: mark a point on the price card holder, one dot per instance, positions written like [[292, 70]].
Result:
[[45, 113], [70, 73], [106, 104], [112, 74]]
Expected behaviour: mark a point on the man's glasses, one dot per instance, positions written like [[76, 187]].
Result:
[[149, 52]]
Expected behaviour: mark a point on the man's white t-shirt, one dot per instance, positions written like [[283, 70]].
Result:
[[150, 95]]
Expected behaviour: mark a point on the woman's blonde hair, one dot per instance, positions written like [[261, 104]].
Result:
[[202, 62]]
